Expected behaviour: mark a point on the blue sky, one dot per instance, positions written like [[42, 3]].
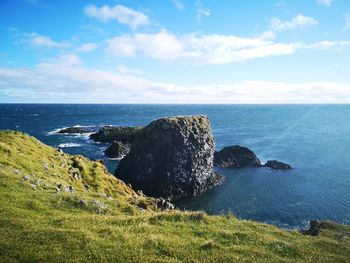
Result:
[[175, 51]]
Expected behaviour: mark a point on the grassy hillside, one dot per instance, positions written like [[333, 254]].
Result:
[[56, 207]]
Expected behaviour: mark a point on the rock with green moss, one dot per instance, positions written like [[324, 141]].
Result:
[[117, 150], [108, 134], [172, 158]]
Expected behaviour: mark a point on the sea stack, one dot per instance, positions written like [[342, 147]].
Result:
[[171, 158]]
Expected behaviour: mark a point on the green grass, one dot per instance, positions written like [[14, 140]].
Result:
[[109, 222]]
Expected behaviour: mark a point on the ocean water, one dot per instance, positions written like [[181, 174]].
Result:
[[314, 139]]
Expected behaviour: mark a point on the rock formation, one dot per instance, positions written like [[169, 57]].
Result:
[[171, 158], [236, 156], [108, 134], [163, 204], [273, 164], [315, 228], [79, 130], [117, 150]]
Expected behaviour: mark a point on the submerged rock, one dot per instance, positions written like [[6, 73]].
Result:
[[79, 130], [117, 150], [277, 165], [108, 134], [171, 157], [236, 156]]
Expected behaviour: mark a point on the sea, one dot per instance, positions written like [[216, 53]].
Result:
[[314, 139]]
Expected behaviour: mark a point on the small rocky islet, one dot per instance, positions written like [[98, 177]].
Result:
[[241, 157], [235, 157], [273, 164], [76, 130], [119, 137], [109, 134]]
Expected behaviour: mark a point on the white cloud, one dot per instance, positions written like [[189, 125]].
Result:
[[267, 35], [88, 47], [65, 80], [221, 49], [298, 22], [123, 46], [208, 49], [128, 71], [325, 45], [202, 49], [326, 3], [162, 45], [201, 11], [63, 60], [178, 4], [122, 14], [37, 40], [347, 22]]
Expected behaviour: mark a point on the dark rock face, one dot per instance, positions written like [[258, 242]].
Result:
[[277, 165], [315, 228], [108, 134], [236, 156], [116, 150], [171, 158], [76, 130]]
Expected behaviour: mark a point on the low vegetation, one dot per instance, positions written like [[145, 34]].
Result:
[[56, 207]]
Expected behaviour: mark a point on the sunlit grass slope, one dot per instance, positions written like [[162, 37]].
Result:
[[57, 207]]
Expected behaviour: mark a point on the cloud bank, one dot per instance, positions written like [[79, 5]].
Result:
[[207, 49], [65, 78]]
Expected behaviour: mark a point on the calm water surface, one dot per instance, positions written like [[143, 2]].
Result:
[[314, 139]]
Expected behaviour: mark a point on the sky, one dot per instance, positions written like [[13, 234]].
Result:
[[175, 51]]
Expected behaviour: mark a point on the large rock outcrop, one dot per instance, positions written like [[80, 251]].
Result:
[[236, 156], [108, 134], [172, 158]]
